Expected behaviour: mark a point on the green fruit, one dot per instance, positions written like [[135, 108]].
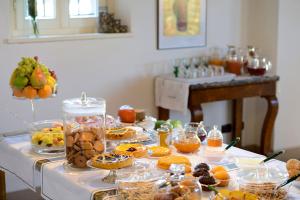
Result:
[[12, 78], [176, 123], [38, 78], [158, 123], [20, 82]]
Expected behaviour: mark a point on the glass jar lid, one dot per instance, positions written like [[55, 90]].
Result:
[[261, 174], [84, 106], [215, 133]]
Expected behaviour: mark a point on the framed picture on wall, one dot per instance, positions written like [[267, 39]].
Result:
[[181, 23]]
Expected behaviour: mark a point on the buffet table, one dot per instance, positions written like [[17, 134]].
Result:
[[58, 181]]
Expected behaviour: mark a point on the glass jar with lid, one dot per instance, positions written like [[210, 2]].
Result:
[[215, 138], [187, 141], [234, 61], [258, 66], [84, 129]]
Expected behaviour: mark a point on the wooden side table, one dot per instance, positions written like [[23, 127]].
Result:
[[236, 90]]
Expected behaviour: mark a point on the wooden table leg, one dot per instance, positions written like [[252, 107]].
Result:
[[196, 113], [2, 185], [237, 120], [163, 114], [267, 131]]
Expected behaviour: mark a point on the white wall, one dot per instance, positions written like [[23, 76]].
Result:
[[259, 29], [119, 70], [287, 126]]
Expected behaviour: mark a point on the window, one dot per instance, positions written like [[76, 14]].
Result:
[[56, 17], [82, 8]]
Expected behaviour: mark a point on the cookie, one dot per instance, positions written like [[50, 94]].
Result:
[[86, 145], [70, 141], [89, 153], [87, 136], [98, 146], [80, 161]]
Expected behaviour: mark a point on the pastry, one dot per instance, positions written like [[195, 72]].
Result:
[[135, 150], [207, 180], [166, 161], [293, 167], [120, 133], [111, 161], [158, 151]]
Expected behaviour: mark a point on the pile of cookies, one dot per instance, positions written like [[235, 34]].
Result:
[[82, 144]]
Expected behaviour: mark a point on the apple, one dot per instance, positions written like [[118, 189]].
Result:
[[127, 114]]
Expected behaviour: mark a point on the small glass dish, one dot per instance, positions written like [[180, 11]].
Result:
[[47, 137]]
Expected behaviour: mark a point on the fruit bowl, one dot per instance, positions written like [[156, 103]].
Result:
[[47, 137], [33, 80]]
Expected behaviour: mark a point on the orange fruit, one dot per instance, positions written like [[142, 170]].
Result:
[[217, 169], [29, 92], [221, 175], [45, 92], [17, 92]]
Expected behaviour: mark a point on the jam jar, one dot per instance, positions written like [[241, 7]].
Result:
[[84, 129], [215, 138], [234, 61]]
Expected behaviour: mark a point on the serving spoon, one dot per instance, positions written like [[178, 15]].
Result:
[[274, 155]]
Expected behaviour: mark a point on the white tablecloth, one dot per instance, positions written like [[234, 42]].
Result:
[[17, 157], [60, 182]]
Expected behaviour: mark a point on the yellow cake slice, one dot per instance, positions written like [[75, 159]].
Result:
[[166, 161], [158, 151]]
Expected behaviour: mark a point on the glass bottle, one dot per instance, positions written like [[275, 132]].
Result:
[[215, 58], [215, 138], [164, 136], [84, 129], [234, 62], [202, 133]]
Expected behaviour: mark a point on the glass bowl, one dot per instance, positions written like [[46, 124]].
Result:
[[262, 181], [47, 137]]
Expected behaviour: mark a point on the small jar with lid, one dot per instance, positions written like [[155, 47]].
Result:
[[234, 61], [187, 141], [215, 138], [84, 129]]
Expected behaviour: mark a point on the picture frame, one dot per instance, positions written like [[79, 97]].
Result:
[[181, 24]]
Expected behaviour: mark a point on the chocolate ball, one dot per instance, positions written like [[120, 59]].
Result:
[[202, 166], [200, 172]]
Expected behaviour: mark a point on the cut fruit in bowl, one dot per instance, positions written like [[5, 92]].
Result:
[[47, 137]]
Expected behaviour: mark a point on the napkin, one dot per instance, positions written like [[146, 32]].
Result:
[[171, 94]]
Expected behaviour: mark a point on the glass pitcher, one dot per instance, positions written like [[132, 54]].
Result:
[[84, 129], [187, 141]]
